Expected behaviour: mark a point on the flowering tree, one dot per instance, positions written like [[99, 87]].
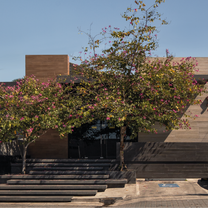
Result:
[[32, 107], [128, 89]]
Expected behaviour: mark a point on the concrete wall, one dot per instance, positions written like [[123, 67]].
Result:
[[45, 67], [49, 146]]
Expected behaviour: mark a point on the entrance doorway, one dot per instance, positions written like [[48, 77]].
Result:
[[94, 140]]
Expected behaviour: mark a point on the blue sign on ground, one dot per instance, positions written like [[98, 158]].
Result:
[[168, 185]]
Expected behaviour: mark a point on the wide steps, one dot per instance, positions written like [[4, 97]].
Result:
[[35, 198], [108, 182], [64, 164], [68, 161], [60, 177], [48, 192], [100, 188], [58, 180], [59, 172], [69, 168]]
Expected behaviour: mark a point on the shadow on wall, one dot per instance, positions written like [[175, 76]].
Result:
[[204, 105], [144, 151], [9, 149], [9, 152]]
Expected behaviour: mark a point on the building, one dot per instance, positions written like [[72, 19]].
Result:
[[154, 151]]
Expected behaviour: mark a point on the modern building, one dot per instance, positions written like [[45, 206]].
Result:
[[153, 151]]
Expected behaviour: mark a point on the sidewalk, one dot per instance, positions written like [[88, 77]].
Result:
[[150, 194], [144, 193]]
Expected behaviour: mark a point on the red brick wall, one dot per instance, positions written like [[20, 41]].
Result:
[[49, 146], [45, 67]]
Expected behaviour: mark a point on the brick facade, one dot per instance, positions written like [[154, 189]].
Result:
[[45, 67], [49, 146]]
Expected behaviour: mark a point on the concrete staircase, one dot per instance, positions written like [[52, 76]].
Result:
[[59, 180]]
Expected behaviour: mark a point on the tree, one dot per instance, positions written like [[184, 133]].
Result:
[[31, 108], [130, 90], [17, 80]]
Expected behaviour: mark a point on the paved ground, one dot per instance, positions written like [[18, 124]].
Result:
[[190, 193]]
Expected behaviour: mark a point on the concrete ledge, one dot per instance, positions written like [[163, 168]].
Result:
[[99, 188], [104, 200], [59, 177], [130, 175], [35, 199], [48, 193], [165, 179]]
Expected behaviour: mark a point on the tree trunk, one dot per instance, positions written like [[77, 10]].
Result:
[[24, 159], [122, 134]]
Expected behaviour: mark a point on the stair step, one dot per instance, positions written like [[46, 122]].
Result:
[[48, 192], [69, 161], [53, 187], [68, 168], [69, 172], [35, 199], [109, 182], [63, 164], [54, 177]]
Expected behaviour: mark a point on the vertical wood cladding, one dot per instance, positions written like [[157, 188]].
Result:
[[45, 67], [49, 146]]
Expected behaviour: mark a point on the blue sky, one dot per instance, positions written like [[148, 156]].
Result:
[[35, 27]]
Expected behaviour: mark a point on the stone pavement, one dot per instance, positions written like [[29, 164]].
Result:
[[168, 203], [190, 193]]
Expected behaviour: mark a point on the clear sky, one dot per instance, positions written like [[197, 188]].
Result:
[[35, 27]]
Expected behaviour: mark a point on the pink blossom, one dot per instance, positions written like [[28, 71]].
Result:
[[30, 130], [64, 126], [119, 119], [36, 116], [196, 115], [107, 98], [108, 118], [70, 116], [21, 119], [56, 126]]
